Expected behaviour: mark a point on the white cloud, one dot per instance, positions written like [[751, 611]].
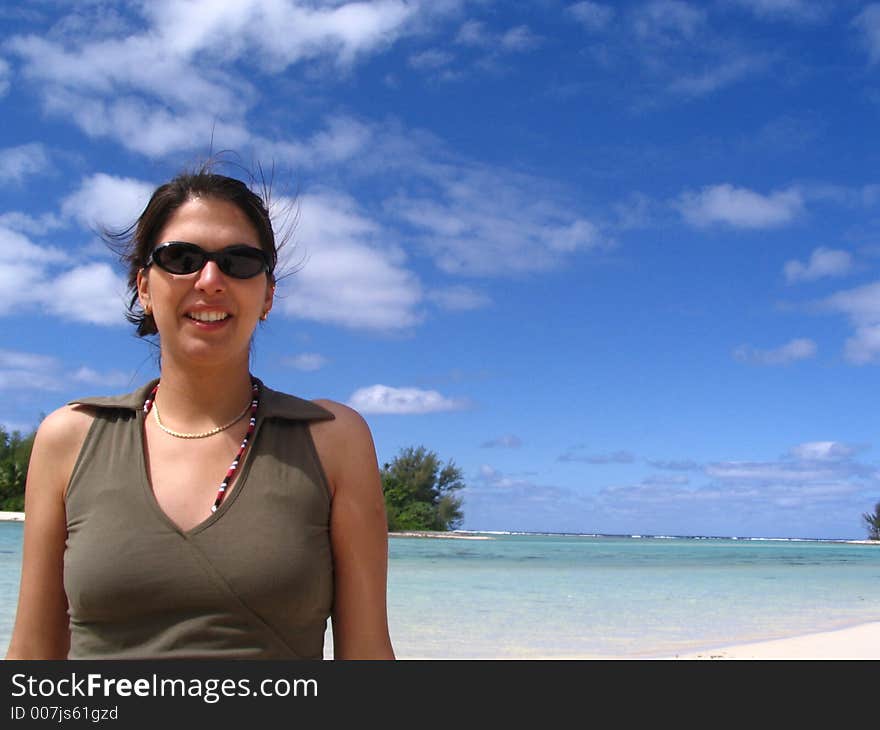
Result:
[[798, 10], [805, 473], [17, 248], [519, 228], [111, 379], [520, 38], [14, 360], [799, 349], [822, 451], [146, 128], [823, 262], [861, 303], [4, 77], [668, 21], [350, 276], [107, 200], [722, 74], [862, 306], [91, 293], [593, 16], [864, 346], [868, 22], [740, 207], [472, 33], [24, 223], [23, 267], [517, 39], [30, 371], [342, 139], [17, 163], [162, 88], [402, 401], [307, 361]]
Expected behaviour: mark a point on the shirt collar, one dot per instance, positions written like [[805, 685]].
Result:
[[273, 403]]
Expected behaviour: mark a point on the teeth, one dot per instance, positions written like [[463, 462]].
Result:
[[208, 316]]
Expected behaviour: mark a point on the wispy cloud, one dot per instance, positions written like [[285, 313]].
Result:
[[31, 371], [739, 207], [107, 200], [719, 74], [524, 226], [792, 351], [668, 22], [592, 16], [516, 39], [18, 163], [862, 306], [350, 275], [823, 262], [158, 88], [92, 293], [4, 76], [616, 457], [384, 399], [868, 23], [822, 451], [806, 11]]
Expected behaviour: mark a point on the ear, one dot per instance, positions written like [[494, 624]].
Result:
[[270, 297], [143, 290]]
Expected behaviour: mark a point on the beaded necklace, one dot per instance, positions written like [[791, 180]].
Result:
[[255, 402]]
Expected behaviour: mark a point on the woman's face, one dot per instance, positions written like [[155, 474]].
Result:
[[205, 317]]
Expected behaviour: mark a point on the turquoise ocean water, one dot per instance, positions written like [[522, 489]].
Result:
[[562, 596]]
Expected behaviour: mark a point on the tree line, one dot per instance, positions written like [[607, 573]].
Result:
[[15, 454]]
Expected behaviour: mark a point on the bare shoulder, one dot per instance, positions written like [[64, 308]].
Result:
[[344, 444], [58, 441], [65, 428], [346, 419]]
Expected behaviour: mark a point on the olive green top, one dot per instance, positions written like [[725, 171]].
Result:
[[252, 581]]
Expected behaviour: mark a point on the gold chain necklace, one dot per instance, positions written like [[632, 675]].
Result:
[[204, 434]]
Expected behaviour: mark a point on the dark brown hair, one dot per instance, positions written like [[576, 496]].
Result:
[[135, 243]]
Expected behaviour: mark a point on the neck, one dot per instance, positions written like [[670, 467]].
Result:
[[200, 399]]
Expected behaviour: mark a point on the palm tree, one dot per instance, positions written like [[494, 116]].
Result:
[[873, 522]]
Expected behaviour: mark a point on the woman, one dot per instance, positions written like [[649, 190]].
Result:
[[204, 515]]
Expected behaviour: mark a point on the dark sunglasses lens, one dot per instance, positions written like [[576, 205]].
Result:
[[179, 258], [242, 263]]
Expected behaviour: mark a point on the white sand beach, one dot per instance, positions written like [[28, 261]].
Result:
[[11, 516], [855, 642]]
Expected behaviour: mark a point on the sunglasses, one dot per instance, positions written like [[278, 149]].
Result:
[[239, 261]]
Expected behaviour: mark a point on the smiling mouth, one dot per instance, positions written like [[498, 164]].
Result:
[[208, 316]]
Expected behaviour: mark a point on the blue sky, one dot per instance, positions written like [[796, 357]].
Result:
[[618, 261]]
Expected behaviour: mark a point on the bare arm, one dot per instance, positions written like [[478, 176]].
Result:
[[359, 536], [41, 628]]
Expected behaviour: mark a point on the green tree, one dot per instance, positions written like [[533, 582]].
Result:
[[15, 453], [420, 491], [872, 521]]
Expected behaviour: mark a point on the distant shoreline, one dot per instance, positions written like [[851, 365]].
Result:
[[438, 534], [476, 535]]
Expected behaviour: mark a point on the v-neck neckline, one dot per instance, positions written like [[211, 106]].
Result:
[[232, 491]]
